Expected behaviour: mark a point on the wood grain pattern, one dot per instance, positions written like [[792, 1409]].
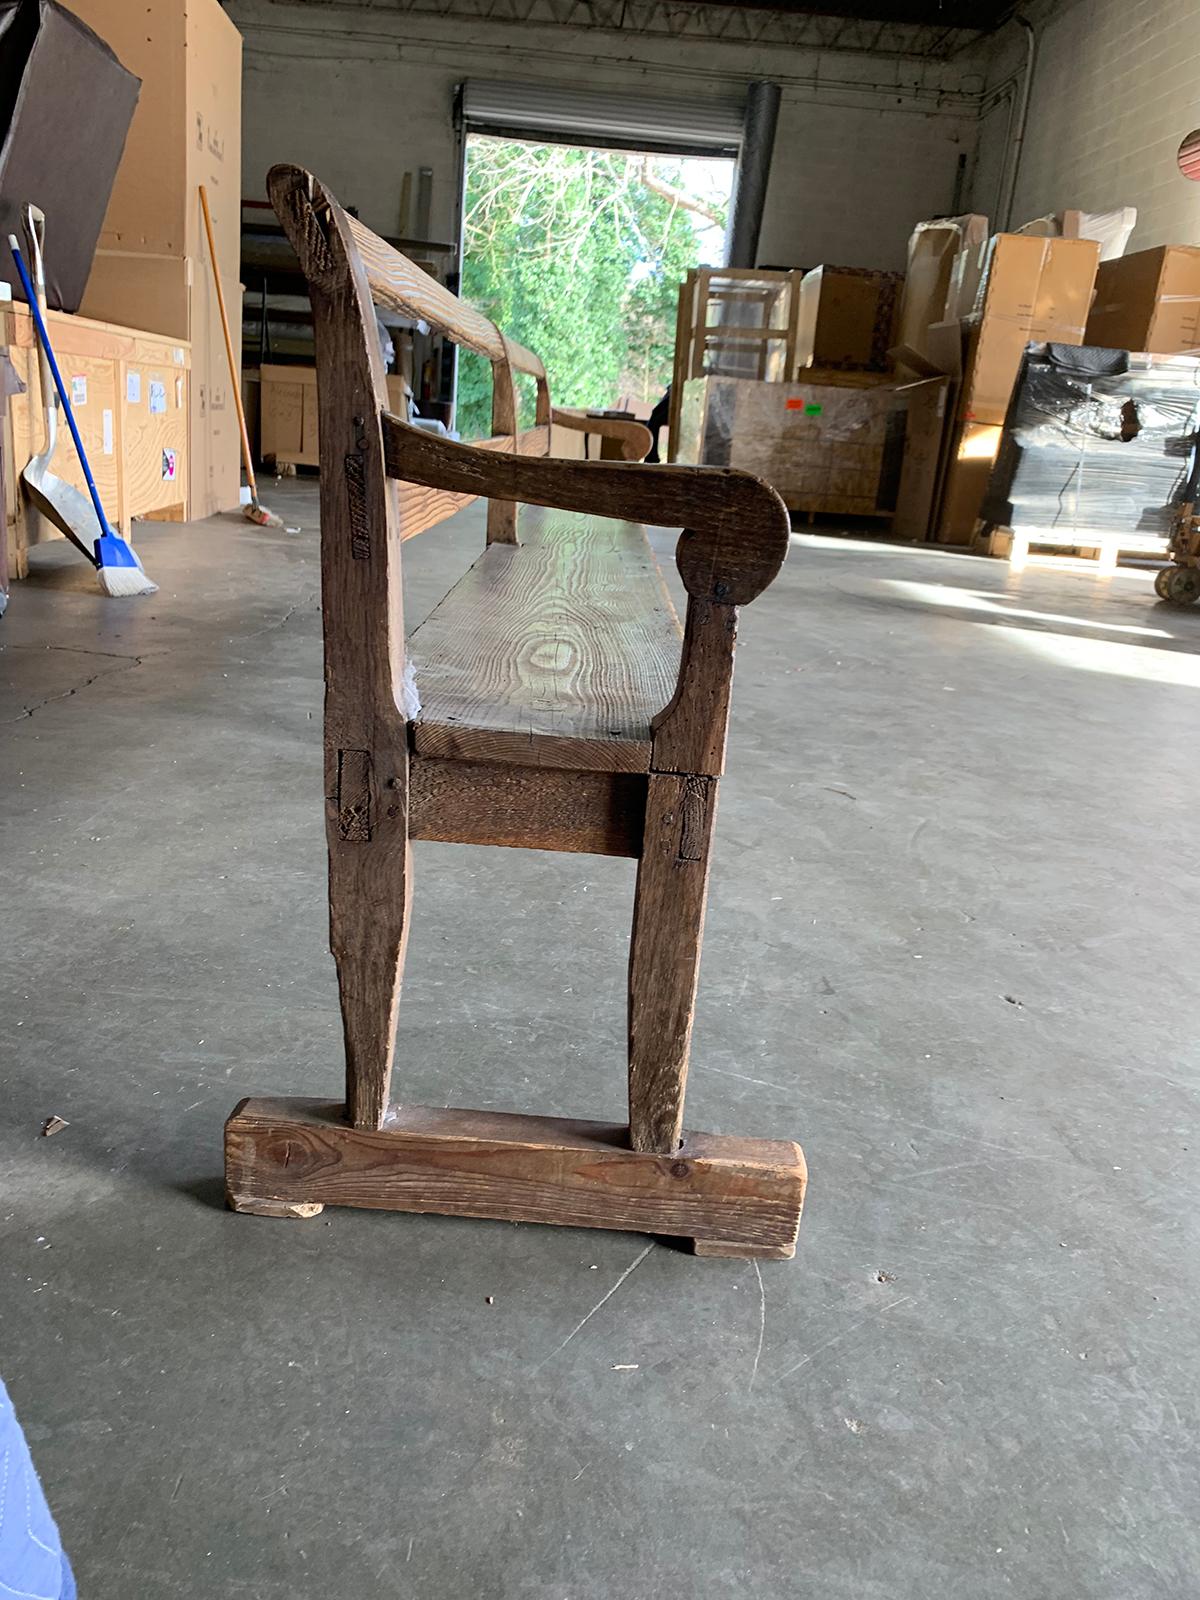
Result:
[[690, 732], [743, 1195], [635, 437], [531, 808], [569, 638], [398, 283], [502, 514], [664, 953], [420, 507], [736, 528], [366, 740]]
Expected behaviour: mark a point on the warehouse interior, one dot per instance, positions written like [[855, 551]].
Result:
[[864, 335]]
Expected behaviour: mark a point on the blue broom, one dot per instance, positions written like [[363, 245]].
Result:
[[117, 567]]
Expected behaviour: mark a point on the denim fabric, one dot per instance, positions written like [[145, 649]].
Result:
[[32, 1564]]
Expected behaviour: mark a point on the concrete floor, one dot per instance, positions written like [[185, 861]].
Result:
[[948, 950]]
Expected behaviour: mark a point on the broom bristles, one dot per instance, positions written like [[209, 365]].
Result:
[[261, 516], [120, 582]]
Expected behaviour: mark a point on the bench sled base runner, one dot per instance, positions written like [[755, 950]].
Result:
[[737, 1197]]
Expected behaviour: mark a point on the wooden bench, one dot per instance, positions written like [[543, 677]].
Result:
[[555, 707]]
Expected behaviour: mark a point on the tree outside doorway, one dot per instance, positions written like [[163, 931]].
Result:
[[579, 254]]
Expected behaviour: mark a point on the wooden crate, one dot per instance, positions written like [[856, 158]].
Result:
[[735, 322], [830, 443], [287, 420], [130, 398]]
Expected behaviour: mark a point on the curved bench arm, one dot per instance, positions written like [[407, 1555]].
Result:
[[734, 540], [635, 437], [735, 527]]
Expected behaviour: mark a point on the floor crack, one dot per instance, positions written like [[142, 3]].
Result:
[[287, 616], [104, 672]]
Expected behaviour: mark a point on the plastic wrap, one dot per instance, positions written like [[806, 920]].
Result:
[[1097, 443], [832, 443], [1111, 229]]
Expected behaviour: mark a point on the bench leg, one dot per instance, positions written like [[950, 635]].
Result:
[[369, 899], [664, 954]]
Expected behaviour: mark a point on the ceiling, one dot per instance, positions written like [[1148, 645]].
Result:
[[979, 15], [897, 28]]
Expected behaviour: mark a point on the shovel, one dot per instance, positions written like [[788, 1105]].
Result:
[[68, 509]]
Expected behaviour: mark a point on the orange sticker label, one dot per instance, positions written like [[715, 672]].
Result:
[[794, 405]]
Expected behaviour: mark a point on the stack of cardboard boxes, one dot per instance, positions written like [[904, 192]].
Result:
[[893, 401], [1029, 288], [1032, 289]]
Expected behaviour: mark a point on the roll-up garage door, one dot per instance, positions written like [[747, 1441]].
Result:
[[564, 115]]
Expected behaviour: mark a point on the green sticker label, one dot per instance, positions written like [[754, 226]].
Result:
[[812, 410]]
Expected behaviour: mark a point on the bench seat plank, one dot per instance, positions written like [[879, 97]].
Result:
[[556, 653]]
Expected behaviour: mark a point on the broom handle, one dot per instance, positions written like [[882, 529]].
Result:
[[39, 324], [235, 377]]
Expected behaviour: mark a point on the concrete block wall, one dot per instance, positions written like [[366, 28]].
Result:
[[1116, 87], [867, 145]]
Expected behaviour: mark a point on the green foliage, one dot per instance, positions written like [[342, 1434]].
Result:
[[579, 255]]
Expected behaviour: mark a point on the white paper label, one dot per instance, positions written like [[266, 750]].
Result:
[[158, 397], [177, 356], [133, 388], [107, 423], [179, 393], [78, 391]]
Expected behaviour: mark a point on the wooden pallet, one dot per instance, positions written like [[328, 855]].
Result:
[[1102, 557]]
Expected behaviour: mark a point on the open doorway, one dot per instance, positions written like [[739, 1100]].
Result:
[[579, 253]]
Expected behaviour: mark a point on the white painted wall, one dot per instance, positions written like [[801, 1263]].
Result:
[[867, 146], [1115, 89]]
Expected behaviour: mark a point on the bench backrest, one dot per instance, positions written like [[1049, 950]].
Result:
[[392, 280]]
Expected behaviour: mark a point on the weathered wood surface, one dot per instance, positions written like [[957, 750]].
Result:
[[732, 1195], [569, 640], [689, 732], [421, 507], [559, 712], [366, 739], [664, 953], [533, 808], [736, 528], [635, 437]]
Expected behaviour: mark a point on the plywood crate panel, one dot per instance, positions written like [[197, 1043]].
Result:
[[128, 445], [830, 444]]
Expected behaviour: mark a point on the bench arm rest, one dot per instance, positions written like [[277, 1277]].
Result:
[[735, 527], [635, 437]]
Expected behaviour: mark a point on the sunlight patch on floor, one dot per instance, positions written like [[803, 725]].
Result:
[[1112, 656], [938, 594]]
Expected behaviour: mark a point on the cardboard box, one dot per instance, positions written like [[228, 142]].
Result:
[[966, 272], [847, 318], [152, 268], [933, 250], [287, 421], [972, 451], [930, 407], [67, 102], [1148, 301], [1032, 289]]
